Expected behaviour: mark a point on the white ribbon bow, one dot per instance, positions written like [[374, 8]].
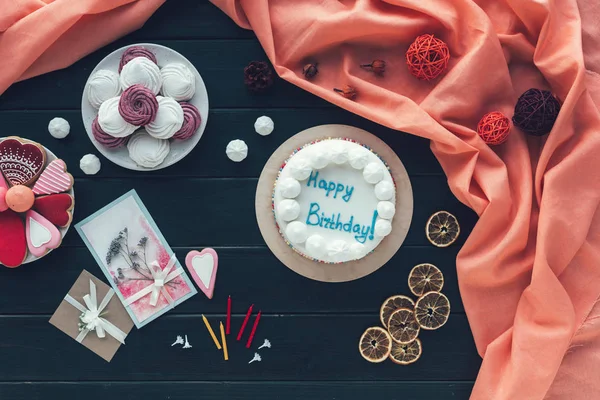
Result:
[[92, 319], [161, 278]]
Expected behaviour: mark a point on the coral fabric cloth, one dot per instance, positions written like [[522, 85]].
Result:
[[529, 273], [39, 36]]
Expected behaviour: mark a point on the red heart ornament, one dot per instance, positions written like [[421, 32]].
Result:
[[21, 163], [56, 208], [13, 244]]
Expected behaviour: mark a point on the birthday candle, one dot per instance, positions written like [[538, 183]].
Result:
[[228, 315], [248, 314], [224, 340], [253, 329], [212, 333]]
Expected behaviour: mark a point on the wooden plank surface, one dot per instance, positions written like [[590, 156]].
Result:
[[206, 200]]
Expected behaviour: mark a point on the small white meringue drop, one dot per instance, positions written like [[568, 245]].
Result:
[[386, 209], [358, 157], [339, 153], [320, 158], [264, 125], [237, 150], [296, 232], [383, 227], [90, 164], [357, 250], [316, 246], [338, 250], [59, 128], [300, 168], [288, 209], [384, 190], [289, 188], [373, 172]]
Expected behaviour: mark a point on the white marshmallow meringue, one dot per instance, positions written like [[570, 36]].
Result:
[[90, 164], [101, 86], [289, 188], [386, 209], [300, 168], [178, 82], [296, 232], [264, 125], [288, 209], [143, 71], [169, 118], [320, 159], [358, 158], [338, 250], [316, 246], [384, 190], [237, 150], [110, 119], [59, 128], [383, 227], [339, 152], [357, 250], [373, 172], [147, 151]]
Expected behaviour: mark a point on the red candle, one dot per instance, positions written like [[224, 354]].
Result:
[[253, 329], [228, 315], [248, 314]]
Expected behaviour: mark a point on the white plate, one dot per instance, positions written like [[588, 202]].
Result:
[[50, 156], [179, 148]]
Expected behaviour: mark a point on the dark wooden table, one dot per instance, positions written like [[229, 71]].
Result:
[[208, 201]]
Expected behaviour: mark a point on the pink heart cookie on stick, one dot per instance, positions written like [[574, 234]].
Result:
[[203, 268], [42, 235]]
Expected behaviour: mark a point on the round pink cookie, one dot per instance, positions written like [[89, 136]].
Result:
[[133, 52], [3, 205], [105, 139], [138, 105], [191, 121]]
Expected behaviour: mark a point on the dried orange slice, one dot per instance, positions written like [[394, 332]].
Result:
[[403, 326], [442, 229], [405, 354], [432, 310], [375, 344], [425, 278], [392, 304]]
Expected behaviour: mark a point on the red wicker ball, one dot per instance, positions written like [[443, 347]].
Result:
[[427, 57], [494, 128]]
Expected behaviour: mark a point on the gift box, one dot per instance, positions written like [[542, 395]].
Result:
[[92, 314], [136, 259]]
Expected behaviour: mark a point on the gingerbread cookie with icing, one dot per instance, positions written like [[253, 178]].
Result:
[[54, 179], [13, 246], [56, 208], [20, 162], [42, 235]]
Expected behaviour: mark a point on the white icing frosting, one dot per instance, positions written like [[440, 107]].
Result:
[[141, 71], [373, 172], [338, 208], [178, 82], [296, 232], [338, 250], [320, 159], [316, 246], [90, 164], [288, 209], [383, 227], [386, 209], [110, 119], [338, 152], [38, 233], [289, 188], [384, 190], [300, 168], [59, 128], [358, 157], [101, 86], [264, 125], [237, 150], [169, 119], [147, 151], [357, 250]]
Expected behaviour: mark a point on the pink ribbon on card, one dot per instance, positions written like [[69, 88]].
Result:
[[161, 278]]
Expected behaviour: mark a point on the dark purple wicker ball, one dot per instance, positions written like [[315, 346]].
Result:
[[536, 112]]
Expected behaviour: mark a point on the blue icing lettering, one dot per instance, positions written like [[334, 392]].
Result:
[[313, 179], [330, 186], [313, 212], [337, 222], [348, 194]]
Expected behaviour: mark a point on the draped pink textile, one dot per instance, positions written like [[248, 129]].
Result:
[[529, 273], [38, 36]]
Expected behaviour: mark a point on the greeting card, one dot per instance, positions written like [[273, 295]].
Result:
[[92, 315], [136, 259]]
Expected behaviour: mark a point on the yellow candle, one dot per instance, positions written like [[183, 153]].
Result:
[[212, 334], [224, 340]]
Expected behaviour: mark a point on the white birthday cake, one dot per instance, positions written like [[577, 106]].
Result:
[[334, 200]]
